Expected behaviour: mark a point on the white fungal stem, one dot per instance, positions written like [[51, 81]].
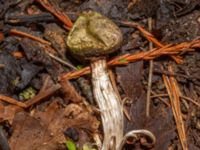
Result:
[[109, 104]]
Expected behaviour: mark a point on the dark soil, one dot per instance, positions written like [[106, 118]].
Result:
[[70, 113]]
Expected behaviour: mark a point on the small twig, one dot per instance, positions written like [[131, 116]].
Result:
[[69, 89], [182, 97], [188, 77], [124, 101], [70, 93], [12, 101], [42, 95], [34, 18], [23, 34], [62, 17], [44, 85], [159, 97], [18, 54], [148, 55], [148, 100], [62, 61], [189, 99]]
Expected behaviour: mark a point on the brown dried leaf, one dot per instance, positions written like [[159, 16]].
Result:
[[44, 130], [7, 113], [160, 123], [128, 78]]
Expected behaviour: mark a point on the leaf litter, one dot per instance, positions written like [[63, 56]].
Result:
[[43, 125]]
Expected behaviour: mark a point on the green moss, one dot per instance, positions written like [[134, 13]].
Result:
[[15, 82], [27, 93]]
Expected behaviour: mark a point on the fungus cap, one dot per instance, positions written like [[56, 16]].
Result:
[[93, 35]]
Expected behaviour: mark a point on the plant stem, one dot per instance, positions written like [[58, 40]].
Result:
[[109, 105]]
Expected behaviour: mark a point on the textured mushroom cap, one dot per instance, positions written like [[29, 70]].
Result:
[[93, 35]]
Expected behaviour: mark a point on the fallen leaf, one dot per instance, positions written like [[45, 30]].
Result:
[[45, 129], [7, 113]]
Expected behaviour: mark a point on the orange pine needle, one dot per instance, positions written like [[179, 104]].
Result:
[[150, 38], [174, 95], [24, 34], [147, 55], [62, 17], [12, 101]]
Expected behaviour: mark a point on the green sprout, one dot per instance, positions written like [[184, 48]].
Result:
[[70, 145]]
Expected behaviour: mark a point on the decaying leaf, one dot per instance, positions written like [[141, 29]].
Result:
[[7, 113], [45, 130]]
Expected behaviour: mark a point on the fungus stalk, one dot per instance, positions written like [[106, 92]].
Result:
[[109, 105], [92, 37]]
